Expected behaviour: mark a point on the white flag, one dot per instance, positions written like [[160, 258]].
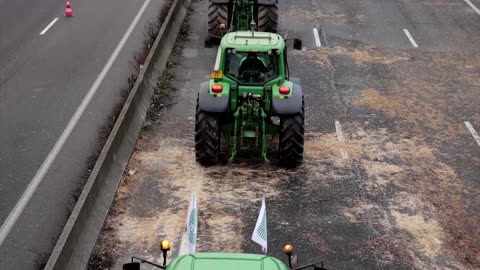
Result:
[[192, 224], [259, 235]]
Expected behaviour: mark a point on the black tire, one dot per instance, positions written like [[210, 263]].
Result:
[[207, 138], [217, 14], [291, 141], [268, 18]]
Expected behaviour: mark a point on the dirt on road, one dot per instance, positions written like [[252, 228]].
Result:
[[400, 192]]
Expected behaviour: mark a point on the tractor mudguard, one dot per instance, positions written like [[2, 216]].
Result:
[[295, 80], [220, 1], [290, 105], [208, 103], [267, 2]]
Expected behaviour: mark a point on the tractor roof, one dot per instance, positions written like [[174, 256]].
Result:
[[226, 261], [247, 41]]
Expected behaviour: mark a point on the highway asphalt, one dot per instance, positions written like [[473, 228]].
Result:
[[44, 76], [392, 155]]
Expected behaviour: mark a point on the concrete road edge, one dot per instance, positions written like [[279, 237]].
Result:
[[74, 247]]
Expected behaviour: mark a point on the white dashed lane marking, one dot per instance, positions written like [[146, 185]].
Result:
[[49, 26], [473, 6], [341, 138], [473, 132], [317, 37], [410, 37]]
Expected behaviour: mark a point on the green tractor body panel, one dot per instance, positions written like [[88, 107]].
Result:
[[226, 261], [244, 40]]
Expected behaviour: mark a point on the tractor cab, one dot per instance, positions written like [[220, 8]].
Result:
[[252, 58], [251, 67]]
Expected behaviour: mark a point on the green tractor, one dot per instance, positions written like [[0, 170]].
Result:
[[237, 15], [223, 261], [220, 260], [250, 98]]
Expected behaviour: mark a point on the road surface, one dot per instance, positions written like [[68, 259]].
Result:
[[47, 66], [391, 172]]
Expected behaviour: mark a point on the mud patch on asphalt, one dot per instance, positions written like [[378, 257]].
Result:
[[463, 66], [216, 228], [323, 147], [432, 100], [360, 55], [428, 236], [367, 53], [378, 102], [411, 194], [385, 251], [427, 91], [169, 170], [322, 16], [139, 232]]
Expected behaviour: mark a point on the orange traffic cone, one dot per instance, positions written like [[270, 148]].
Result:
[[68, 10]]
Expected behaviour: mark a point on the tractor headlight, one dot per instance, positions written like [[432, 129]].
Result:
[[284, 90], [217, 88]]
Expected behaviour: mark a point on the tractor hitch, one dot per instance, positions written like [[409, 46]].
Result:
[[249, 127]]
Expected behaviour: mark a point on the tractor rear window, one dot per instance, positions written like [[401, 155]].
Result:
[[251, 67]]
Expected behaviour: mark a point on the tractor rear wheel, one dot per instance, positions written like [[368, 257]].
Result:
[[217, 14], [292, 128], [268, 18], [207, 138]]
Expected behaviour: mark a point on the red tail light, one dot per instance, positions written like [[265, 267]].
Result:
[[217, 88], [284, 90]]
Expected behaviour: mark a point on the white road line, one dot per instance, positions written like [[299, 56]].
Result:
[[473, 132], [473, 6], [410, 38], [48, 26], [42, 171], [317, 37], [341, 138]]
